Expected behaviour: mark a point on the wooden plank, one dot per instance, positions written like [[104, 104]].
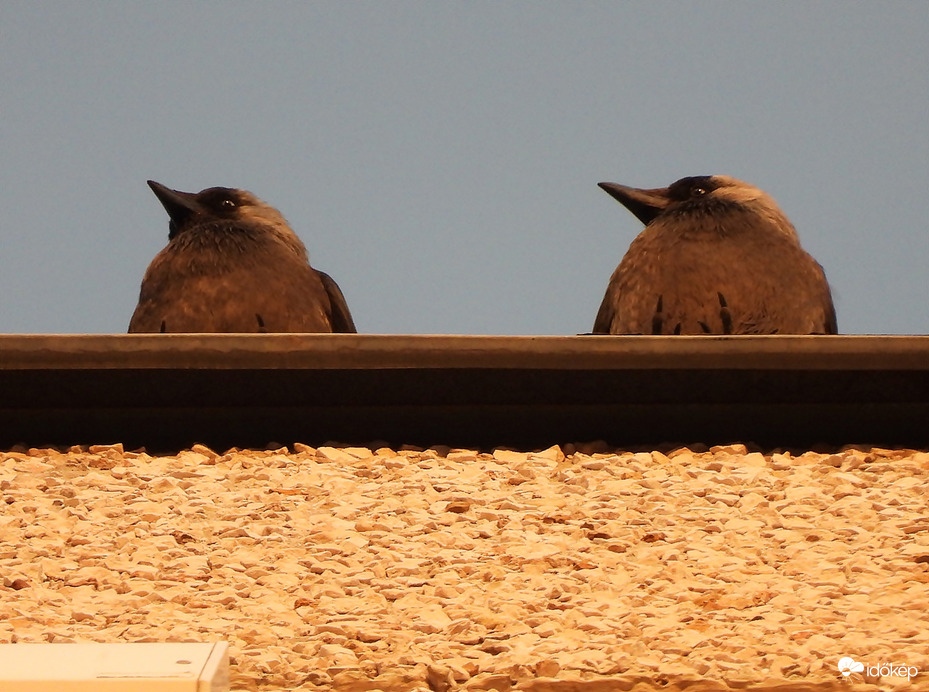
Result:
[[356, 351], [171, 391], [148, 667]]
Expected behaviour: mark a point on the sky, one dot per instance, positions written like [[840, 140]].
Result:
[[440, 159]]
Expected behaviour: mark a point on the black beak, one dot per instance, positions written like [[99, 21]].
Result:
[[179, 205], [645, 204]]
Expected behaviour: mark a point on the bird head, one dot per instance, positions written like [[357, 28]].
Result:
[[226, 205], [708, 196]]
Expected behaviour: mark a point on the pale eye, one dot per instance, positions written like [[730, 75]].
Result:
[[698, 192]]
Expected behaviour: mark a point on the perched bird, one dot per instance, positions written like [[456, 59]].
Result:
[[232, 264], [717, 256]]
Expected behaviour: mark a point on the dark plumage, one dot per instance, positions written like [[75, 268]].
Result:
[[717, 256], [232, 264]]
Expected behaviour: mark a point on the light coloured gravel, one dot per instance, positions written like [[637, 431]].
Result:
[[438, 569]]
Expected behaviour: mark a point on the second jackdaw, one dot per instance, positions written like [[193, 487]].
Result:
[[717, 256]]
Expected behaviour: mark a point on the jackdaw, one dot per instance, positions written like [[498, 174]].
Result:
[[717, 256], [232, 264]]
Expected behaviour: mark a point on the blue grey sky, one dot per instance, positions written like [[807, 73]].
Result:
[[440, 159]]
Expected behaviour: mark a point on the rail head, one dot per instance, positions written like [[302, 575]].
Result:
[[387, 351]]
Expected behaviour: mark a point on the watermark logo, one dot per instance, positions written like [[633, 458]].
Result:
[[848, 666]]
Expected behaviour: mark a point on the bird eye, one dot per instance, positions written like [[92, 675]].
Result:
[[227, 204], [698, 191]]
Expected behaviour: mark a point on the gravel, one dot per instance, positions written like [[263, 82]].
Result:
[[574, 569]]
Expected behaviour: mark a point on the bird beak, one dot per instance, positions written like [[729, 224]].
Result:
[[179, 205], [645, 204]]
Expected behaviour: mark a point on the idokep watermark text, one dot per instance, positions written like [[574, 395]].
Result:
[[849, 666]]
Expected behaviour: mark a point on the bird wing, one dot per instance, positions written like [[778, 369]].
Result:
[[340, 316], [832, 326], [604, 322], [825, 298], [156, 291]]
